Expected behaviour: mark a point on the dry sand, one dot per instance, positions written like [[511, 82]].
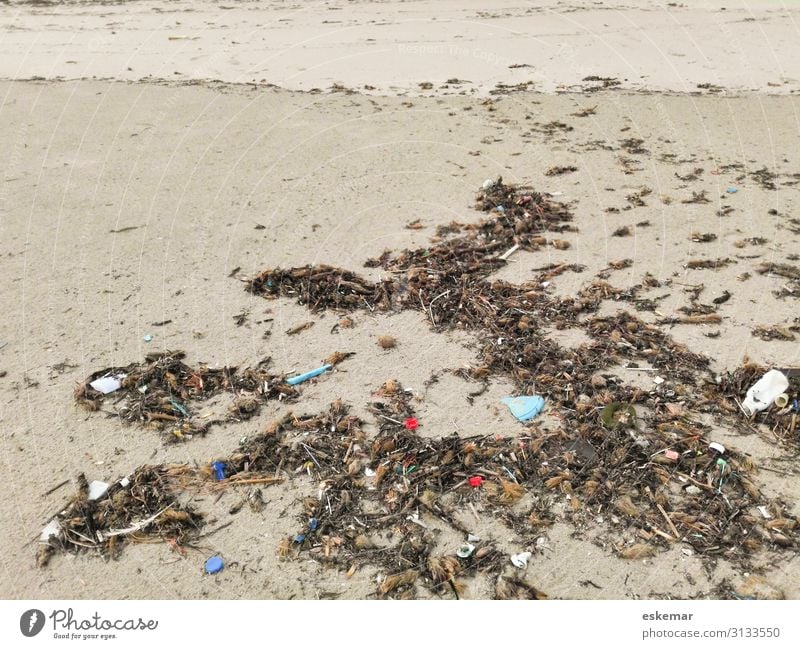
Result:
[[125, 202]]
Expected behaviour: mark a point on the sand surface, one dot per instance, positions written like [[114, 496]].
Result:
[[128, 199]]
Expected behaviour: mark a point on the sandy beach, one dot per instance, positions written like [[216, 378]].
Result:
[[157, 155]]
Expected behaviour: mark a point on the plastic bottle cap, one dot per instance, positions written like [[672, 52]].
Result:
[[411, 423], [719, 448], [214, 565], [475, 481], [219, 470]]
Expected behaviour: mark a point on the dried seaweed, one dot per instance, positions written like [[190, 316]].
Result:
[[163, 391]]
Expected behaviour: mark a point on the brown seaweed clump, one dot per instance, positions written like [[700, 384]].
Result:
[[141, 508], [163, 392]]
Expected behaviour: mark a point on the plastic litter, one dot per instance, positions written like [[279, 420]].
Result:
[[465, 550], [147, 338], [524, 408], [308, 375], [671, 455], [782, 400], [313, 523], [107, 384], [488, 183], [475, 481], [731, 190], [521, 560], [717, 448], [299, 538], [53, 528], [764, 392], [411, 423], [370, 473], [219, 470], [97, 489], [179, 408], [472, 538], [214, 565]]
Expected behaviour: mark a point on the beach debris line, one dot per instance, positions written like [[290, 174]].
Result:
[[379, 502]]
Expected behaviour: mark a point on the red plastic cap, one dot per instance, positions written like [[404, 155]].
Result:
[[411, 423], [475, 481]]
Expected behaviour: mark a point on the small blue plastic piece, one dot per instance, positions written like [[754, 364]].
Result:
[[178, 407], [147, 338], [308, 375], [214, 565], [731, 190], [219, 470], [524, 408], [313, 524], [299, 538]]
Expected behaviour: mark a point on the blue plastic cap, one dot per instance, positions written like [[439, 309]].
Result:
[[299, 538], [214, 565], [219, 470], [313, 524]]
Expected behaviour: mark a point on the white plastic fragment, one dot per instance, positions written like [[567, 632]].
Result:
[[764, 511], [521, 560], [97, 489], [53, 528], [107, 384], [369, 472], [465, 550], [473, 538]]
